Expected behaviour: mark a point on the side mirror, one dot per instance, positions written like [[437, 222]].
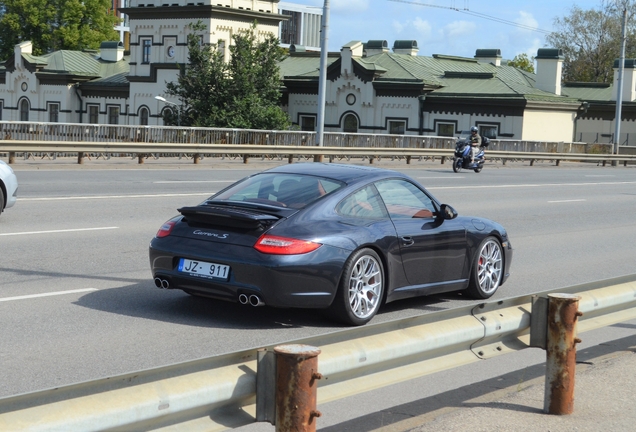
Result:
[[447, 212]]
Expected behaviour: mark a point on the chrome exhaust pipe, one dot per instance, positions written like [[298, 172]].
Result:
[[243, 299], [256, 301], [162, 283]]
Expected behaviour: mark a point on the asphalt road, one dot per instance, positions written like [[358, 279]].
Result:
[[77, 301]]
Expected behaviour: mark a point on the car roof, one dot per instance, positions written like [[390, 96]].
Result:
[[342, 172]]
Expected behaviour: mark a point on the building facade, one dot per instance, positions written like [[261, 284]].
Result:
[[370, 87]]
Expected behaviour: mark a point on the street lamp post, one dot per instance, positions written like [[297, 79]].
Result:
[[162, 99]]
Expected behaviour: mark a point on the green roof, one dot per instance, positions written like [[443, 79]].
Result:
[[447, 75]]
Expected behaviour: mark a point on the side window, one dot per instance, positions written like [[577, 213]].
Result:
[[308, 123], [93, 114], [146, 46], [364, 203], [445, 129], [113, 115], [488, 131], [397, 127], [54, 112], [405, 200]]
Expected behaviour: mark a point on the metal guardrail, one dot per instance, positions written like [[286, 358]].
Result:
[[196, 150], [220, 393]]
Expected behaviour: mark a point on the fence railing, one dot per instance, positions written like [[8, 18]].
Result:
[[220, 393], [196, 151], [42, 139]]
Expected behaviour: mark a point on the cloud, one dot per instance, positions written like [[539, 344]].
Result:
[[422, 27], [460, 30], [526, 19], [417, 28]]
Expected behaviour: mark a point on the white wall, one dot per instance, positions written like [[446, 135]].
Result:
[[553, 126]]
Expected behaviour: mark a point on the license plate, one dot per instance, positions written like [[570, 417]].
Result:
[[204, 269]]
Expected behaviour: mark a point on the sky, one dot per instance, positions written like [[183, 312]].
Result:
[[451, 27]]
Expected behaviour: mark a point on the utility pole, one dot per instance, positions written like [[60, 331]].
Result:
[[619, 90], [322, 84]]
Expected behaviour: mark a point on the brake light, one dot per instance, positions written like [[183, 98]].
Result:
[[275, 245], [165, 229]]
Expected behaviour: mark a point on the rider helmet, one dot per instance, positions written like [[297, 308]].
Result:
[[474, 129]]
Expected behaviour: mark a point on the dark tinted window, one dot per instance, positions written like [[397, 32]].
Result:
[[364, 203], [285, 190]]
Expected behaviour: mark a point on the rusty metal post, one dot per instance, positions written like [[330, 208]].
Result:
[[296, 388], [12, 158], [563, 314], [80, 157]]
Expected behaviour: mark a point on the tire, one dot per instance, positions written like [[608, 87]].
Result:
[[1, 200], [457, 165], [487, 269], [361, 289], [479, 168]]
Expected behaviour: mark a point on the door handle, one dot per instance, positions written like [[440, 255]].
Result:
[[407, 241]]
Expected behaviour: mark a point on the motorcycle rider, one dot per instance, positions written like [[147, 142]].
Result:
[[475, 143]]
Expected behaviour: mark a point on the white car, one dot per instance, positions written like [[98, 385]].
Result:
[[8, 186]]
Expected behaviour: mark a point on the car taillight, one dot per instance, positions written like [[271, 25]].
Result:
[[165, 229], [275, 245]]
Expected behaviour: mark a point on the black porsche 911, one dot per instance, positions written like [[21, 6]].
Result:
[[328, 236]]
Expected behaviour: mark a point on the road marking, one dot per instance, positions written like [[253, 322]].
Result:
[[529, 185], [567, 201], [113, 197], [448, 177], [195, 181], [600, 175], [58, 231], [55, 293]]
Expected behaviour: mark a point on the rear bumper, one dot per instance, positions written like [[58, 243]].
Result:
[[301, 281]]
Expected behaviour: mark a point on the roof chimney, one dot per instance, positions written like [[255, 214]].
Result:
[[489, 56], [349, 51], [549, 69], [405, 47], [629, 80], [112, 51], [374, 47]]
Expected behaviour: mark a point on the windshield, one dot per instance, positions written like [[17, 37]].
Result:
[[279, 189]]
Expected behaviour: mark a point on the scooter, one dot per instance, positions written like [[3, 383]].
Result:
[[463, 151]]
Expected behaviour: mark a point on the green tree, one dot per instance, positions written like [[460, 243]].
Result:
[[590, 40], [523, 62], [242, 93], [55, 24]]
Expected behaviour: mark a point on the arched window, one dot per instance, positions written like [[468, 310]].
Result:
[[24, 110], [351, 123], [167, 114], [143, 116]]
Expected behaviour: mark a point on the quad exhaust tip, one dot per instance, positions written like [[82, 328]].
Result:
[[256, 301], [253, 300], [162, 283]]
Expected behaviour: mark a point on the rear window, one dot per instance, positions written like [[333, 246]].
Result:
[[284, 190]]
